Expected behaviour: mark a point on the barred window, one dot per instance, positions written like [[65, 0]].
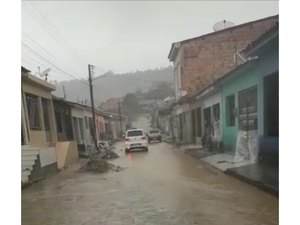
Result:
[[230, 111], [32, 102]]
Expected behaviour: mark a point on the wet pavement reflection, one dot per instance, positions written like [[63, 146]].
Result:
[[162, 186]]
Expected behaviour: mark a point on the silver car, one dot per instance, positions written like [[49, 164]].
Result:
[[154, 135]]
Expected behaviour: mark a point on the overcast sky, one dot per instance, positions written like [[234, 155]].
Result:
[[120, 36]]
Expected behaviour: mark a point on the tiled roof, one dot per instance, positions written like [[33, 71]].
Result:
[[264, 36], [220, 31]]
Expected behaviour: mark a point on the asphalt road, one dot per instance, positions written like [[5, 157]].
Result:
[[161, 186]]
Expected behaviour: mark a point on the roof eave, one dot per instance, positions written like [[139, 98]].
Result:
[[39, 82], [174, 51]]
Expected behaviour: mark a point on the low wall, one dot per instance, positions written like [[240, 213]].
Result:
[[66, 153]]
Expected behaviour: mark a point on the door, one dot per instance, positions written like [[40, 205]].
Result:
[[194, 126], [199, 122], [180, 127]]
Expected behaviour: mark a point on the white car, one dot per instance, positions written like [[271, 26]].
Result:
[[135, 139]]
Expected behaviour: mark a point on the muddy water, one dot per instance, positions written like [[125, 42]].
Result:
[[162, 186]]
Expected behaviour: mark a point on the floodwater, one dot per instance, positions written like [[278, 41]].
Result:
[[161, 186]]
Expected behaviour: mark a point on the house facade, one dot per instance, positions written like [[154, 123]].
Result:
[[198, 63], [207, 114], [38, 128], [250, 97]]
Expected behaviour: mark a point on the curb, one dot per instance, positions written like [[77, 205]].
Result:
[[257, 184], [247, 180]]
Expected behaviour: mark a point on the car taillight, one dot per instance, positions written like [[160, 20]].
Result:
[[126, 139], [143, 138]]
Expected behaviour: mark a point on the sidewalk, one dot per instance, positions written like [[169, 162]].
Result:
[[264, 177]]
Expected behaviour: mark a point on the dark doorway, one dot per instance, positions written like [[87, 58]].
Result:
[[207, 115], [199, 122], [181, 126], [271, 104], [269, 143], [194, 126]]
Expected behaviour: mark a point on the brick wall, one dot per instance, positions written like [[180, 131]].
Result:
[[205, 59]]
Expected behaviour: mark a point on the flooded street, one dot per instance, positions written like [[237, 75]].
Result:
[[161, 186]]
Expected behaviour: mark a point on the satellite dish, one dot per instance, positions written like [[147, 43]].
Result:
[[183, 93], [45, 73], [223, 25]]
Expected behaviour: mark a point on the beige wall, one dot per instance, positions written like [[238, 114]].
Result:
[[79, 113], [38, 137], [35, 90], [66, 153]]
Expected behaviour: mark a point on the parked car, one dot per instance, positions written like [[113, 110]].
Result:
[[154, 134], [135, 139]]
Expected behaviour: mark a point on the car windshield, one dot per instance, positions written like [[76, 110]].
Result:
[[153, 131], [134, 133]]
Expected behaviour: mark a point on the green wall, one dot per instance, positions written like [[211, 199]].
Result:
[[242, 80], [247, 77]]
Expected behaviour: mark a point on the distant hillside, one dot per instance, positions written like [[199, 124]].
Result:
[[114, 85]]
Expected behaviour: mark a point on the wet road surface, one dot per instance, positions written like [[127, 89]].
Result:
[[162, 186]]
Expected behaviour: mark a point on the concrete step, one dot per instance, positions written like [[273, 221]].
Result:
[[28, 147], [30, 152], [27, 167], [28, 162], [29, 157]]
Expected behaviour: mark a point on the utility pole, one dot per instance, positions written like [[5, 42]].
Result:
[[64, 92], [92, 103], [120, 116]]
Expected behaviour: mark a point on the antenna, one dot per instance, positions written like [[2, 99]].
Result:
[[222, 25], [45, 73]]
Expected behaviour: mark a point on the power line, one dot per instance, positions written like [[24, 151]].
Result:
[[57, 32], [45, 25], [46, 51], [32, 59], [58, 68]]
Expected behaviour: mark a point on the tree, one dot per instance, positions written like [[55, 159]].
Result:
[[131, 101]]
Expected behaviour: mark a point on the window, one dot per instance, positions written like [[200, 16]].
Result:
[[80, 120], [153, 131], [68, 126], [134, 133], [216, 112], [230, 111], [33, 112], [76, 131], [45, 105], [58, 118]]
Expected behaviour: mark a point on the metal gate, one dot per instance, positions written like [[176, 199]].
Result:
[[248, 109]]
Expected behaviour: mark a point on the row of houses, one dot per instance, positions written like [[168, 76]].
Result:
[[55, 132], [226, 90]]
